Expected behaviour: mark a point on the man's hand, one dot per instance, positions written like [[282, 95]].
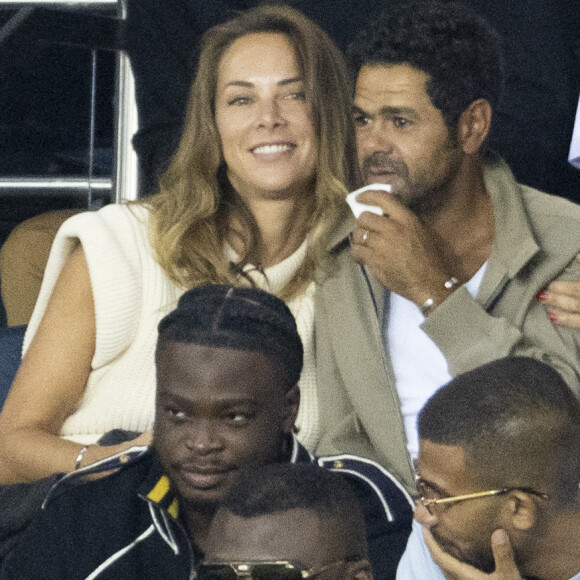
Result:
[[453, 569], [399, 250], [563, 301]]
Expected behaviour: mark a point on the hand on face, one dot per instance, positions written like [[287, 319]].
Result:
[[562, 300], [453, 569], [399, 250]]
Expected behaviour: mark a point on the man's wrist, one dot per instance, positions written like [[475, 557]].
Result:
[[436, 299]]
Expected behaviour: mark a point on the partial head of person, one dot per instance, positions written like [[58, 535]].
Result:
[[500, 449], [288, 522], [428, 77], [228, 362], [267, 119]]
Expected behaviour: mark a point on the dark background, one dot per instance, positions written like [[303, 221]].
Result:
[[45, 72]]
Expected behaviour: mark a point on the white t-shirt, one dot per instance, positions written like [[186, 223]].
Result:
[[419, 366]]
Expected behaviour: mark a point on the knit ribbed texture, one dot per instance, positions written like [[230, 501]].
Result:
[[131, 294], [273, 280]]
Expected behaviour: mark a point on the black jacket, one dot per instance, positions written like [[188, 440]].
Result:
[[126, 525]]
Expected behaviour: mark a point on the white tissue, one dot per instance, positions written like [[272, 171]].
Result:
[[358, 208]]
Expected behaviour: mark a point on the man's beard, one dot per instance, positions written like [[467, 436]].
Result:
[[421, 199], [481, 559], [384, 162]]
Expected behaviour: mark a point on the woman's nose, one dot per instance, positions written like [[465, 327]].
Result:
[[270, 114]]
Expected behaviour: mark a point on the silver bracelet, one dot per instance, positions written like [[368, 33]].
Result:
[[429, 304], [80, 457]]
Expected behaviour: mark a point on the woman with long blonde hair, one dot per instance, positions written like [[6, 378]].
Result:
[[253, 196]]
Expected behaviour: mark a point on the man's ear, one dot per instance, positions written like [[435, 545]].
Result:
[[291, 403], [519, 511], [474, 125], [360, 570]]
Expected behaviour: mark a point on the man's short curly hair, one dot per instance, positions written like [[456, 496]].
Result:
[[240, 318], [455, 46]]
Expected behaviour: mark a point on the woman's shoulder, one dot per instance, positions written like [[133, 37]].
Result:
[[117, 220], [116, 213]]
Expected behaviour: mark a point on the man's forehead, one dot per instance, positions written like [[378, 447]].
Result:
[[442, 465], [378, 84], [297, 535], [190, 370]]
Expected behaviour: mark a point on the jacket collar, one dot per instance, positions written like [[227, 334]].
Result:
[[514, 241], [343, 231], [300, 453], [157, 489]]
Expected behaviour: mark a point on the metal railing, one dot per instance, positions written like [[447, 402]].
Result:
[[123, 184]]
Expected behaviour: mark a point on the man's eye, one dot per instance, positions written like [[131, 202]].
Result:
[[296, 96], [175, 413], [238, 419], [401, 123]]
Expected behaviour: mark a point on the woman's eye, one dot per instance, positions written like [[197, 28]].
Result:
[[237, 101], [360, 120]]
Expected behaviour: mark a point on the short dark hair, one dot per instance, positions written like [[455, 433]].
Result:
[[453, 45], [238, 318], [517, 422], [281, 487]]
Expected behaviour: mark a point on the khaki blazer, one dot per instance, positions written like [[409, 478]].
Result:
[[536, 238]]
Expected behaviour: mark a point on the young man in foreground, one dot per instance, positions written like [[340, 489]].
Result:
[[228, 361]]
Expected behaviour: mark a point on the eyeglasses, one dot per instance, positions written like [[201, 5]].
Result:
[[282, 570], [427, 493]]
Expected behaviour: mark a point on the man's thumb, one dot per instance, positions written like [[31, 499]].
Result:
[[505, 566]]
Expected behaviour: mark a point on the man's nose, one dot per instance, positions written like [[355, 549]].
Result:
[[375, 137], [423, 515], [203, 437]]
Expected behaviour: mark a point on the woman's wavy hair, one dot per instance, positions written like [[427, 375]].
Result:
[[190, 212]]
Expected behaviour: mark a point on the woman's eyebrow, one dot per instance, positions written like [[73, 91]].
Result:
[[249, 85], [244, 84]]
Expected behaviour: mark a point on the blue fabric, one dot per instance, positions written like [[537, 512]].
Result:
[[10, 355], [416, 563]]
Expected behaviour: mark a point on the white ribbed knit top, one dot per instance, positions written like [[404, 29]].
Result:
[[131, 294]]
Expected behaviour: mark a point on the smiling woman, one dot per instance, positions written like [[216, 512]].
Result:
[[253, 196], [265, 122]]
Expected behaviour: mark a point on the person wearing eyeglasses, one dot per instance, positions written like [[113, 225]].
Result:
[[498, 478], [288, 522]]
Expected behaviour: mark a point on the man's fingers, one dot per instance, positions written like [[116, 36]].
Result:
[[505, 567], [452, 568], [390, 206]]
